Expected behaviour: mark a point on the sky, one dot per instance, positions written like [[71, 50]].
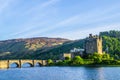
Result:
[[71, 19]]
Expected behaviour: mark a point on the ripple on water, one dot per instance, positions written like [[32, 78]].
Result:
[[61, 73]]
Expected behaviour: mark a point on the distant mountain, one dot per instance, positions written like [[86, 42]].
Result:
[[22, 48]]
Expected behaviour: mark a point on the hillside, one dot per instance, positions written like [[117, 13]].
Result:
[[52, 48], [111, 41], [56, 53], [21, 48]]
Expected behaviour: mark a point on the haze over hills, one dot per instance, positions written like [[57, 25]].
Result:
[[52, 48]]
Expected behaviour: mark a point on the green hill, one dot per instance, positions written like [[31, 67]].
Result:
[[111, 42], [53, 48], [56, 52]]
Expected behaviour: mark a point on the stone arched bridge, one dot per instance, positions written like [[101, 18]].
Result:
[[19, 63]]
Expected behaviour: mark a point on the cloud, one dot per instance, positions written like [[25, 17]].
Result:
[[84, 18], [31, 24], [94, 16], [77, 34], [70, 21], [42, 30], [77, 19], [50, 2], [41, 6]]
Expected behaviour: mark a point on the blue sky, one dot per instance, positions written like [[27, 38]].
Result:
[[71, 19]]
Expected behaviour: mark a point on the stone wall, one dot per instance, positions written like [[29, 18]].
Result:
[[93, 44]]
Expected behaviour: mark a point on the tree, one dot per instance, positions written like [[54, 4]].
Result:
[[97, 60], [96, 57], [116, 57], [77, 60], [106, 56], [92, 56], [50, 62]]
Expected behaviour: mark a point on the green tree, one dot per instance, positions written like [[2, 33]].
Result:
[[116, 57], [50, 62], [97, 60], [106, 56], [77, 60], [96, 57]]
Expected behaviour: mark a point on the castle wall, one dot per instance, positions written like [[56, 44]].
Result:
[[93, 44], [99, 46]]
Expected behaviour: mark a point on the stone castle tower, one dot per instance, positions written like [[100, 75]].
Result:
[[93, 44]]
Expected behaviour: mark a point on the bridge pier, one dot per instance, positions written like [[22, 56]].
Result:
[[8, 64], [44, 62], [20, 64]]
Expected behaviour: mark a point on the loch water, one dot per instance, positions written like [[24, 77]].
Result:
[[61, 73]]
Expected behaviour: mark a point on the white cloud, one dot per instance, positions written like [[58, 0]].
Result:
[[31, 24], [84, 18], [68, 22], [78, 34], [81, 18], [50, 2], [41, 6]]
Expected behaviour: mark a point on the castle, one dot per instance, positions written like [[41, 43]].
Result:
[[93, 44]]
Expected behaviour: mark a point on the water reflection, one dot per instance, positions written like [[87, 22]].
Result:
[[94, 73]]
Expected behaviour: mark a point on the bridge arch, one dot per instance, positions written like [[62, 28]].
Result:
[[27, 63], [16, 62], [14, 65], [37, 64]]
